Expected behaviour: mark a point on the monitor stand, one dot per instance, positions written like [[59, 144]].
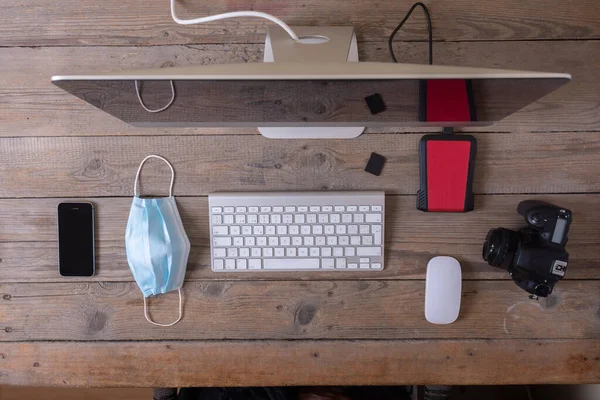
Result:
[[317, 43]]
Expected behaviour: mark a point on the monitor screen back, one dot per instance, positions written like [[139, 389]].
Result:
[[313, 102]]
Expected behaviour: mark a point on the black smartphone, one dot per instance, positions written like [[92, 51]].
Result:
[[76, 255]]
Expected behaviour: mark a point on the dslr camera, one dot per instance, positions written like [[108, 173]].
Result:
[[534, 256]]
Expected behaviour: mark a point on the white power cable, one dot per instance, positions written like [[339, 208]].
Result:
[[236, 14]]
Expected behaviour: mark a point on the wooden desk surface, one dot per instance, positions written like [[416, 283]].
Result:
[[294, 328]]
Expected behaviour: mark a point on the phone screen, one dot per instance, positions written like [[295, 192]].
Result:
[[76, 239]]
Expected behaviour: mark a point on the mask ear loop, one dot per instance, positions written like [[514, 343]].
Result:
[[137, 91], [137, 175], [172, 323]]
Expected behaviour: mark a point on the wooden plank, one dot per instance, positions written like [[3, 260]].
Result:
[[293, 310], [149, 22], [28, 247], [101, 166], [31, 106], [234, 363]]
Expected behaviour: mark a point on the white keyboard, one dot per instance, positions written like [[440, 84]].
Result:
[[297, 231]]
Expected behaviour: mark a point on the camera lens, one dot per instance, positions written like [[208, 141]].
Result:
[[500, 247]]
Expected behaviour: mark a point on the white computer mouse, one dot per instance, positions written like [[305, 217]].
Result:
[[442, 290]]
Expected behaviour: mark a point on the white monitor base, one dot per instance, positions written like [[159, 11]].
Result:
[[341, 46]]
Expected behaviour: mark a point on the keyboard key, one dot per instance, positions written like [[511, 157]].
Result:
[[326, 252], [305, 229], [351, 208], [253, 209], [317, 229], [346, 218], [244, 252], [355, 240], [335, 218], [376, 228], [349, 251], [332, 240], [217, 210], [311, 219], [327, 208], [229, 264], [279, 252], [221, 241], [238, 241], [288, 218], [340, 263], [352, 229], [323, 218], [258, 230], [217, 219], [246, 230], [359, 218], [309, 240], [376, 266], [363, 208], [269, 230], [265, 209], [285, 240], [344, 240], [376, 208], [315, 208], [241, 209], [249, 241], [255, 263], [261, 241], [220, 230], [367, 240], [217, 252], [268, 252], [228, 219], [364, 229], [327, 262], [263, 219], [338, 251], [352, 265], [320, 240], [339, 208], [303, 252], [232, 252], [294, 230], [218, 263], [273, 241], [329, 229], [252, 219], [282, 229], [235, 230], [363, 260], [297, 240], [278, 209], [276, 219], [377, 238], [299, 218], [368, 251], [373, 217], [314, 252], [340, 229], [242, 264], [256, 252], [364, 266], [229, 210], [290, 209], [291, 263], [302, 209], [290, 252]]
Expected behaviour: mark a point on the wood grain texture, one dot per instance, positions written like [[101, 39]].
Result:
[[31, 106], [102, 166], [293, 310], [28, 247], [390, 362], [149, 22]]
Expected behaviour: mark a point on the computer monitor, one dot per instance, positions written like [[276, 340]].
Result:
[[321, 94]]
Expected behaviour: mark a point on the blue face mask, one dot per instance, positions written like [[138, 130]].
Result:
[[156, 244]]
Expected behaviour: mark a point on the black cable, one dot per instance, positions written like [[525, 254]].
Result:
[[429, 29]]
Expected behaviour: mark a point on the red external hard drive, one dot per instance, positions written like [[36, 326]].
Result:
[[447, 164]]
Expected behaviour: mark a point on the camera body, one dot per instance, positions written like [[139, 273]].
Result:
[[534, 256]]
